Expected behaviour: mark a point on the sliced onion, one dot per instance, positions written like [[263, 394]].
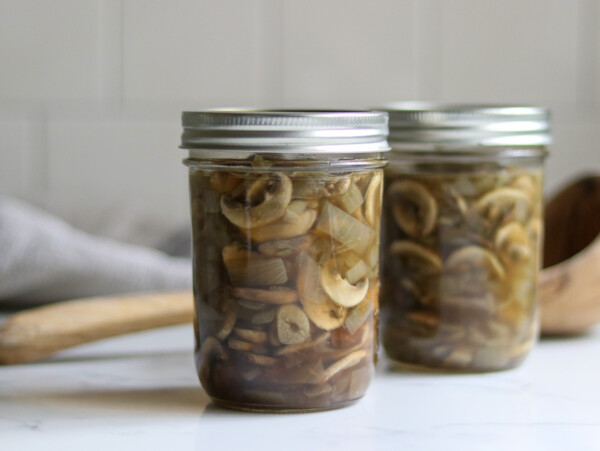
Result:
[[345, 228], [257, 272]]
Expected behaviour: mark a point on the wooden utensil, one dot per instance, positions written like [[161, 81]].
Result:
[[39, 332], [570, 282]]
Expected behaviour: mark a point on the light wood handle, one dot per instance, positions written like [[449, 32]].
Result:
[[570, 294], [39, 332]]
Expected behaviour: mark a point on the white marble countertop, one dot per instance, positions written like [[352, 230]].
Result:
[[141, 392]]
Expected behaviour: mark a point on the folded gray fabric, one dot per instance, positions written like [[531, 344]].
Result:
[[44, 259]]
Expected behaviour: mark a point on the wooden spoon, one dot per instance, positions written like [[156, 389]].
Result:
[[570, 282], [39, 332]]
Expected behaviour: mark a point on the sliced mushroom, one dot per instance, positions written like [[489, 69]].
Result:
[[229, 321], [372, 209], [526, 184], [313, 186], [423, 322], [339, 289], [513, 244], [279, 295], [338, 187], [284, 228], [294, 210], [286, 248], [261, 360], [212, 348], [239, 345], [475, 259], [502, 203], [326, 315], [292, 325], [346, 362], [317, 390], [292, 349], [427, 261], [413, 206], [211, 351], [258, 202], [224, 182], [253, 336]]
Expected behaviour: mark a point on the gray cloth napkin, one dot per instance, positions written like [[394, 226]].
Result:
[[44, 259]]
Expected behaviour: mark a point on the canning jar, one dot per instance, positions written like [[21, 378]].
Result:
[[462, 228], [286, 210]]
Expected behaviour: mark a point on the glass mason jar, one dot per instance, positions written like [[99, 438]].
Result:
[[462, 228], [286, 210]]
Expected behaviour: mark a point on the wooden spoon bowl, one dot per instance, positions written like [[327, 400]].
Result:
[[570, 280]]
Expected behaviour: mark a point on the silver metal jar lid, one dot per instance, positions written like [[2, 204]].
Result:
[[213, 132], [469, 124]]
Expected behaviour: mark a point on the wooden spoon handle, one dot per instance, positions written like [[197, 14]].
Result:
[[37, 333]]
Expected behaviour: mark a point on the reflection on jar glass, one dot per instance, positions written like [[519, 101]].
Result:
[[462, 231], [286, 264]]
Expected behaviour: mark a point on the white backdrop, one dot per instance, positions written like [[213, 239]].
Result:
[[91, 91]]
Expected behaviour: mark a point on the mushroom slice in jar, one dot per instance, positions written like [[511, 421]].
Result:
[[513, 244], [261, 360], [525, 184], [415, 209], [285, 227], [292, 349], [424, 259], [229, 321], [339, 289], [279, 295], [310, 185], [326, 315], [224, 182], [211, 351], [240, 345], [344, 363], [293, 326], [503, 203], [373, 200], [253, 336], [475, 258], [338, 186], [259, 201]]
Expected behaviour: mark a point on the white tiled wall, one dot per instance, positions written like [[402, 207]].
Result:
[[91, 91]]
